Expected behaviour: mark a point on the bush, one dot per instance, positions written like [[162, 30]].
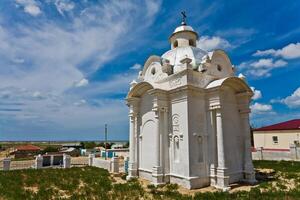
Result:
[[50, 149]]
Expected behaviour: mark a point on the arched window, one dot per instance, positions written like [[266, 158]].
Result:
[[175, 44], [192, 43], [176, 149], [153, 71]]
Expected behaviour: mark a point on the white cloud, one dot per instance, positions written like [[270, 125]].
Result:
[[264, 53], [61, 53], [269, 63], [83, 82], [80, 103], [210, 43], [258, 108], [262, 67], [64, 6], [57, 56], [293, 100], [257, 94], [291, 51], [117, 84], [136, 66], [37, 95], [30, 6]]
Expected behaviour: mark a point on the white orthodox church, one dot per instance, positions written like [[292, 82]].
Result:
[[189, 118]]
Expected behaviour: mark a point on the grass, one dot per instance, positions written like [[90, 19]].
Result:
[[282, 182]]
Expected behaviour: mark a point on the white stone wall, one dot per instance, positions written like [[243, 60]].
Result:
[[264, 154], [99, 162], [146, 135], [180, 165], [234, 135], [198, 135]]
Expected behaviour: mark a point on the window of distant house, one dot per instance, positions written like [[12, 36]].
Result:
[[275, 139]]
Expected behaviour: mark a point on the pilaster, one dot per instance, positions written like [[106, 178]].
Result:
[[222, 176], [160, 108], [249, 173], [133, 114]]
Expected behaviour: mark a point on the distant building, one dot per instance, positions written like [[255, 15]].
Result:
[[86, 152], [26, 151], [117, 146], [278, 136], [71, 151], [77, 145]]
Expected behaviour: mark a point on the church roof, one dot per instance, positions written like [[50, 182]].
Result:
[[288, 125], [184, 28], [177, 54], [28, 147]]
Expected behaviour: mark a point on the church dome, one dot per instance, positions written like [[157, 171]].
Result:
[[177, 54], [183, 28], [183, 45]]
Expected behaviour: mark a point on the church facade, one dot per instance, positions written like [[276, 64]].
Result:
[[189, 118]]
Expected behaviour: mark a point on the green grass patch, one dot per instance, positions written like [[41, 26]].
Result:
[[96, 183]]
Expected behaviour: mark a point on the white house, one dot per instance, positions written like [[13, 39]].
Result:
[[278, 136], [189, 118]]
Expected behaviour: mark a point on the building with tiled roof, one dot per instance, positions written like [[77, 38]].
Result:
[[28, 150], [277, 136]]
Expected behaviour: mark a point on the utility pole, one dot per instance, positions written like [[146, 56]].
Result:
[[105, 141]]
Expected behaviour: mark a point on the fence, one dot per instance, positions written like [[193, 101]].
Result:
[[63, 161], [293, 153], [114, 165]]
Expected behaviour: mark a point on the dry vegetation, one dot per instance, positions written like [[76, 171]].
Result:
[[277, 180]]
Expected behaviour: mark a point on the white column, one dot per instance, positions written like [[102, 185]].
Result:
[[222, 178], [158, 135], [91, 159], [220, 140], [163, 137], [248, 165], [133, 113], [132, 168], [66, 161], [136, 142], [157, 176], [115, 165], [6, 164], [213, 148], [39, 162]]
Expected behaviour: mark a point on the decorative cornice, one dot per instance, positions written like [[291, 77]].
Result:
[[245, 111], [215, 107]]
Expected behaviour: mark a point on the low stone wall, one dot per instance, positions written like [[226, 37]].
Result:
[[110, 165], [99, 162], [276, 154], [41, 161]]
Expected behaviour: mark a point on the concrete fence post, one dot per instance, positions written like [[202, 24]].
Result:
[[115, 165], [6, 164], [126, 161], [39, 162], [293, 151], [260, 153], [66, 161], [91, 158], [51, 160]]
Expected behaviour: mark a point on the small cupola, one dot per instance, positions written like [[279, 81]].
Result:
[[183, 35]]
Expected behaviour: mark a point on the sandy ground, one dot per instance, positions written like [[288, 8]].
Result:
[[145, 183]]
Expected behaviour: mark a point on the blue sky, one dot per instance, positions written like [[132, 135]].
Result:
[[65, 65]]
